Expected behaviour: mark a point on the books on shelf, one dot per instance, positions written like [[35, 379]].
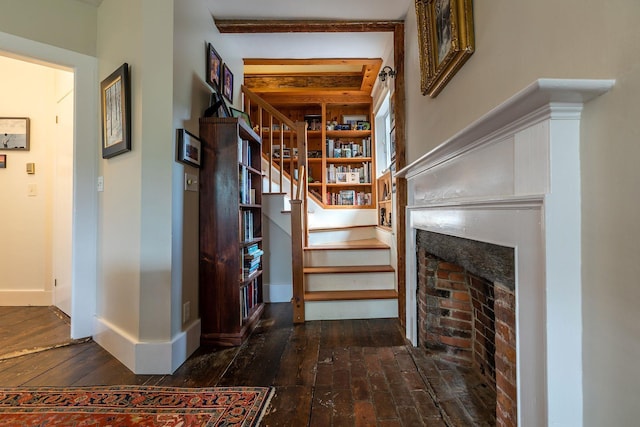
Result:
[[250, 259], [244, 152], [247, 194], [249, 298], [349, 198], [246, 226], [341, 174], [347, 149]]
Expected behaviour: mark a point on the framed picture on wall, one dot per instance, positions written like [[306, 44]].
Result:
[[214, 67], [3, 161], [14, 133], [189, 148], [445, 41], [115, 97], [227, 83]]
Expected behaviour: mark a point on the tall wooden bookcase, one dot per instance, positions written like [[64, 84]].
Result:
[[230, 231]]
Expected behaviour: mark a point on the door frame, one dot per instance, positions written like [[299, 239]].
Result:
[[85, 167]]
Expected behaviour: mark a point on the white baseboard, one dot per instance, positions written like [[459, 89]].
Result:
[[26, 298], [147, 358], [277, 293]]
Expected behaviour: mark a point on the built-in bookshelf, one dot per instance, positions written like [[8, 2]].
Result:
[[230, 231]]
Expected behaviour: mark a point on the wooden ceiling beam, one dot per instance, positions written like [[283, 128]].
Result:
[[344, 97], [243, 26]]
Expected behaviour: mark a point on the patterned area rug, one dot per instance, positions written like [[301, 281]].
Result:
[[133, 406]]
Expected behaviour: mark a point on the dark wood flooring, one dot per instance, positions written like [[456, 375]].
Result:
[[325, 373]]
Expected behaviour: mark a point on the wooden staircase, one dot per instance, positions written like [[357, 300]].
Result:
[[349, 280], [337, 273]]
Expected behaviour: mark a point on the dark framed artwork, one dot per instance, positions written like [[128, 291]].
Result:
[[3, 161], [217, 106], [14, 133], [214, 67], [227, 83], [241, 115], [189, 148], [445, 41], [115, 94]]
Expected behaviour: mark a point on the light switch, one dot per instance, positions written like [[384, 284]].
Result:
[[190, 182], [100, 183], [32, 190]]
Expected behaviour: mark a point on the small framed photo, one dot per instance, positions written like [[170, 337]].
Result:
[[341, 177], [227, 83], [14, 133], [363, 125], [189, 148], [241, 115], [3, 161], [392, 143], [116, 113], [353, 177], [214, 67]]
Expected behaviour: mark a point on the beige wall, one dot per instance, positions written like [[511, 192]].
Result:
[[516, 43], [28, 90], [134, 287], [194, 29], [69, 24]]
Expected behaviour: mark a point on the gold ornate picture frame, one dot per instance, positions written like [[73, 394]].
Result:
[[445, 41]]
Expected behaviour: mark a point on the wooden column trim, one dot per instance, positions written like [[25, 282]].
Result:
[[401, 162]]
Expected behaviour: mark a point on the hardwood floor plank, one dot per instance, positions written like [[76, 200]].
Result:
[[300, 357], [203, 369], [21, 370], [72, 370], [290, 406]]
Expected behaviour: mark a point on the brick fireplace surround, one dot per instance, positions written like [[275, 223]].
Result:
[[466, 311], [512, 179]]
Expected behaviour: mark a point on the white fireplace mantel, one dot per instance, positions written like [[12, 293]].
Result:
[[512, 178]]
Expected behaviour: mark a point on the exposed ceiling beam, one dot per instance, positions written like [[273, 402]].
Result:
[[244, 26]]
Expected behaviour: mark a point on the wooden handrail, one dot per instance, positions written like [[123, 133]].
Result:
[[262, 111]]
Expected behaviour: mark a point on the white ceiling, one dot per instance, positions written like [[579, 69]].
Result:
[[318, 45]]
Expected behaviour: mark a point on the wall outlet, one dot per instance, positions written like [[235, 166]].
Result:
[[186, 312]]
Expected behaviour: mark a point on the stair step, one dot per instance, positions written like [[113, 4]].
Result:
[[350, 295], [352, 244], [349, 269]]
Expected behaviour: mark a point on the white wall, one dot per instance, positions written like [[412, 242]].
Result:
[[516, 43], [28, 90]]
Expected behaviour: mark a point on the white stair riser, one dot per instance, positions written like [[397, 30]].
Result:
[[272, 208], [351, 309], [349, 282], [342, 257], [341, 235]]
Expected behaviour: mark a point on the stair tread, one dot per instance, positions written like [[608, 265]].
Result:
[[349, 269], [350, 295], [345, 227], [350, 244]]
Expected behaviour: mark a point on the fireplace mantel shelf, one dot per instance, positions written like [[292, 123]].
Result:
[[536, 98]]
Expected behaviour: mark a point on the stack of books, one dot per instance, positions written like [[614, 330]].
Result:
[[251, 258]]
